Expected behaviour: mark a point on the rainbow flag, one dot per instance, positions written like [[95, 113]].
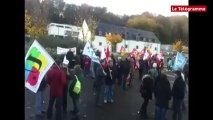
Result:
[[37, 63]]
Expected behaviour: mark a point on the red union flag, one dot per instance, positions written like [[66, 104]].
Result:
[[191, 8]]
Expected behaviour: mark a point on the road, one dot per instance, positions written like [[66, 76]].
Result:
[[125, 106]]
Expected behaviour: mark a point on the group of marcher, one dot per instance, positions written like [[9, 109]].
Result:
[[62, 81], [65, 81]]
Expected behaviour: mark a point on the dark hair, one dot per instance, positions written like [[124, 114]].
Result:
[[77, 69], [178, 73], [163, 76], [58, 61]]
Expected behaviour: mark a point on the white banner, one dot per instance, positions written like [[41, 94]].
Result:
[[86, 50], [61, 50], [37, 63]]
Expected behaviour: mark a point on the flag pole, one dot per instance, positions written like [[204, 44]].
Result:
[[57, 66]]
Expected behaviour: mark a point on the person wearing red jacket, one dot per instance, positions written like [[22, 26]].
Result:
[[56, 79]]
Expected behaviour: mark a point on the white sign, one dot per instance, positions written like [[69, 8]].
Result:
[[61, 50]]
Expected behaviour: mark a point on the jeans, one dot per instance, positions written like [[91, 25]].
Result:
[[100, 92], [108, 93], [177, 109], [39, 102], [160, 113], [58, 108]]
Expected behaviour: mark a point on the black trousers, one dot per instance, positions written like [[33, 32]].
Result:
[[75, 100], [58, 106], [143, 110], [65, 98], [177, 112]]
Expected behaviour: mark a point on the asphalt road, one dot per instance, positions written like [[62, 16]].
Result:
[[125, 106]]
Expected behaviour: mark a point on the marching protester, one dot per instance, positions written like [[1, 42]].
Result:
[[39, 113], [146, 90], [141, 67], [162, 94], [109, 82], [154, 73], [119, 72], [56, 79], [178, 91], [75, 89], [87, 62], [100, 81], [71, 58]]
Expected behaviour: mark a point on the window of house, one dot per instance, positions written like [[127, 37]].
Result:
[[141, 38], [153, 40], [67, 27], [68, 33], [100, 33], [144, 39], [126, 46], [100, 43], [59, 26], [75, 33], [136, 46]]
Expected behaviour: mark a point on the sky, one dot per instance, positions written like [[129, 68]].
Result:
[[135, 7]]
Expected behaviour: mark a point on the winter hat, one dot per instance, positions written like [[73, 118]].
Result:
[[154, 65]]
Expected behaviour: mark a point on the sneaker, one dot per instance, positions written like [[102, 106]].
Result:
[[105, 101], [112, 101]]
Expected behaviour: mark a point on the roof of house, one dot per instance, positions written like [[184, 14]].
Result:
[[130, 32]]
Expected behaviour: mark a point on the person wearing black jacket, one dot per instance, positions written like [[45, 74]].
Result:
[[146, 90], [162, 95], [109, 82], [71, 58], [125, 65], [119, 72], [178, 93], [74, 84]]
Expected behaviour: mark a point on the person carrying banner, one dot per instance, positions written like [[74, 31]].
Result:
[[56, 79], [109, 82]]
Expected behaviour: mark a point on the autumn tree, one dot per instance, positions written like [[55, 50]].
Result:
[[178, 46], [113, 39], [34, 26]]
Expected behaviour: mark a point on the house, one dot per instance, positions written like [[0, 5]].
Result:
[[63, 30], [132, 38]]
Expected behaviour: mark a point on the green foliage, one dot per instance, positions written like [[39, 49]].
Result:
[[51, 43], [167, 29]]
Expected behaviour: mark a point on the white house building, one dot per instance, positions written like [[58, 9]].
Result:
[[133, 38], [63, 30]]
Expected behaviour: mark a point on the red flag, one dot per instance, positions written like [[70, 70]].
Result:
[[107, 53]]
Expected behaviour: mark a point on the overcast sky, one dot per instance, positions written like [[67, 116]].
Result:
[[133, 7]]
